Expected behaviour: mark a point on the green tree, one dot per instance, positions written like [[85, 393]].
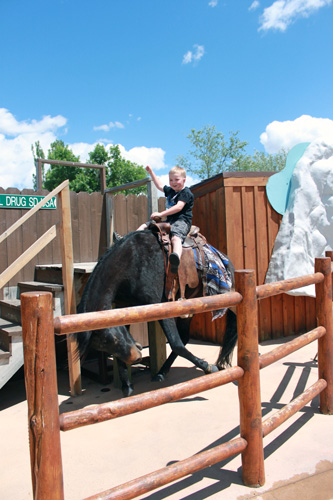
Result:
[[88, 179], [262, 161], [58, 173], [211, 153], [121, 171]]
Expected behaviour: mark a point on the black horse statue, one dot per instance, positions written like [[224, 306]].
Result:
[[132, 272]]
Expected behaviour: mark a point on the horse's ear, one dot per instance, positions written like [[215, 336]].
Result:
[[116, 236]]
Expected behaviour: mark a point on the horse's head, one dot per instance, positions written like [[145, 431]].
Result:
[[117, 341]]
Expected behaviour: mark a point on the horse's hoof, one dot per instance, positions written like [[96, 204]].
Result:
[[127, 390], [212, 369], [158, 378]]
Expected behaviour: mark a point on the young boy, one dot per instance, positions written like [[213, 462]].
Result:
[[179, 203]]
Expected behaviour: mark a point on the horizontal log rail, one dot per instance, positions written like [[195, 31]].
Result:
[[271, 289], [139, 314], [134, 404], [290, 347], [183, 468], [271, 423], [252, 429]]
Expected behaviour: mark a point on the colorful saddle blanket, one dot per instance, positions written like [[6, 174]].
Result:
[[216, 273]]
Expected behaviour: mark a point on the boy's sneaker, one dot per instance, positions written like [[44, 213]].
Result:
[[174, 262]]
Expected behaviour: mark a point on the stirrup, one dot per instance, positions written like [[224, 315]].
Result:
[[174, 262]]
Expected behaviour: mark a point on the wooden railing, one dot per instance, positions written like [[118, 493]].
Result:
[[41, 161], [65, 232], [43, 412]]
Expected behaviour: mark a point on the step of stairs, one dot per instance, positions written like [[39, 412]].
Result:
[[9, 333], [4, 356], [11, 310], [39, 286], [32, 286], [11, 345], [11, 350]]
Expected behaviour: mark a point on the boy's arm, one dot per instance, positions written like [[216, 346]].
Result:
[[155, 179], [169, 211]]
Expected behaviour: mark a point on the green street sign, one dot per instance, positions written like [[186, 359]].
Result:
[[25, 201]]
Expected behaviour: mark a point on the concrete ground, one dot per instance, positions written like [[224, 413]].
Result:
[[298, 455]]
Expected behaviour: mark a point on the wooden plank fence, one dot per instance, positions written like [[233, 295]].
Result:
[[233, 212]]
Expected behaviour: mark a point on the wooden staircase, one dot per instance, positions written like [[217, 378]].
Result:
[[11, 344], [49, 279]]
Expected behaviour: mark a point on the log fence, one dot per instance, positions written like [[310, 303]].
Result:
[[45, 423]]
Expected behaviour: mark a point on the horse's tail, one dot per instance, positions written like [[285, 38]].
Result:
[[229, 342], [83, 338]]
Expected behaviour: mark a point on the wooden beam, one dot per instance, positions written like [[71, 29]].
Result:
[[325, 344], [40, 374], [32, 211], [69, 289], [29, 254], [249, 384]]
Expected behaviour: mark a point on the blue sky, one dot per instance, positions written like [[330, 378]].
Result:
[[143, 73]]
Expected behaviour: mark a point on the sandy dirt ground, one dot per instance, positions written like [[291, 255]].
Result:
[[298, 455]]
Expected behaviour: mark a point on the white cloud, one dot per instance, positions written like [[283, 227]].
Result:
[[10, 126], [194, 56], [109, 126], [282, 13], [213, 3], [16, 137], [254, 5], [285, 135], [145, 156]]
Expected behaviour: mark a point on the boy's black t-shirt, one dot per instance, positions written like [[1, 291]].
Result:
[[172, 198]]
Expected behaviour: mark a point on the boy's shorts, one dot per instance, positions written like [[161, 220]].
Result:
[[181, 229]]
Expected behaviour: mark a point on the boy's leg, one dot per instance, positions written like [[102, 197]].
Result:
[[179, 231], [176, 253], [177, 245]]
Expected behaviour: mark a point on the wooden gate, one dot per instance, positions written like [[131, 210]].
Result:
[[41, 380]]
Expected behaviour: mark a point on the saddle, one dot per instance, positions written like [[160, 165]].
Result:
[[191, 267]]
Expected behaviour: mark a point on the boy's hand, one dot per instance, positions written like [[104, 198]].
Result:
[[149, 169], [156, 215]]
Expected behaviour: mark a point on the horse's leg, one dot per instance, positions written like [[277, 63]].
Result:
[[177, 346], [229, 341], [183, 326], [126, 386]]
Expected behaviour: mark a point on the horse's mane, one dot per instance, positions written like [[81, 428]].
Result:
[[100, 263], [84, 337]]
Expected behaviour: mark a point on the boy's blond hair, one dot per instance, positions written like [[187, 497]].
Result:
[[178, 170]]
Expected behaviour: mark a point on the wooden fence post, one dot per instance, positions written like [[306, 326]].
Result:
[[69, 288], [39, 176], [109, 219], [249, 384], [40, 375], [152, 198], [102, 176], [325, 343], [157, 347]]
